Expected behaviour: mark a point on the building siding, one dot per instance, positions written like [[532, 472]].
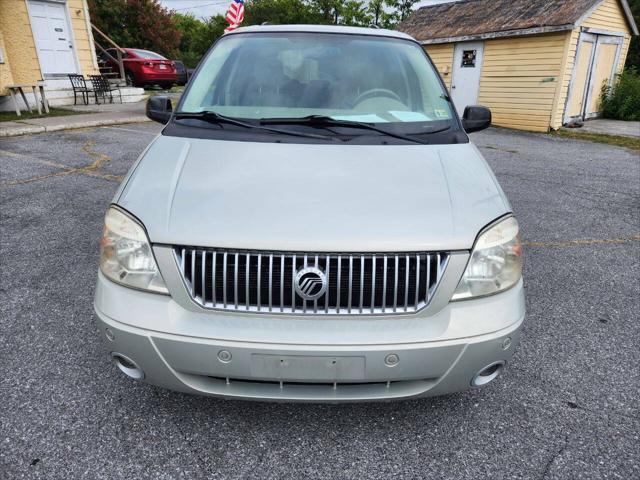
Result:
[[520, 77], [6, 76], [525, 81], [565, 81], [83, 40], [21, 57], [19, 46], [608, 16], [442, 56]]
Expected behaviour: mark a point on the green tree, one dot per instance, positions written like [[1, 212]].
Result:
[[137, 24], [197, 36], [279, 12], [213, 29], [191, 29], [379, 16], [376, 9], [329, 10], [355, 13], [109, 17], [401, 9]]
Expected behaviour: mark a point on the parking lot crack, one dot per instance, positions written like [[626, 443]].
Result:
[[555, 456], [92, 170]]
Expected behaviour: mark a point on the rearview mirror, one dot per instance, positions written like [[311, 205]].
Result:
[[159, 108], [476, 118]]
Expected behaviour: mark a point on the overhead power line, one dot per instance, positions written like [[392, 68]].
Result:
[[201, 6]]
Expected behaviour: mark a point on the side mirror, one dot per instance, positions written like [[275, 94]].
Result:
[[159, 108], [476, 118]]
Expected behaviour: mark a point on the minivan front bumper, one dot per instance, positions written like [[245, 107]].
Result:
[[194, 352]]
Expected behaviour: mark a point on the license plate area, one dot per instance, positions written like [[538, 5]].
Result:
[[304, 368], [162, 67]]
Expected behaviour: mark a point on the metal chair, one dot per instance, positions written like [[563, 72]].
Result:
[[79, 87], [103, 88]]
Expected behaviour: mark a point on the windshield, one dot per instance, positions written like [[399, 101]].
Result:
[[147, 54], [293, 75]]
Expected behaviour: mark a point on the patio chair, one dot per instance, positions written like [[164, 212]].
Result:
[[79, 87], [103, 88]]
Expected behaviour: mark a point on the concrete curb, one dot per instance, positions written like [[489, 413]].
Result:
[[25, 128]]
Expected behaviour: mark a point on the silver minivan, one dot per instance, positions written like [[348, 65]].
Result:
[[312, 224]]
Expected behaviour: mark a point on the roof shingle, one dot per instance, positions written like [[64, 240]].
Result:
[[469, 18]]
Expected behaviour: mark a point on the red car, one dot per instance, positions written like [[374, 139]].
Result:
[[143, 67]]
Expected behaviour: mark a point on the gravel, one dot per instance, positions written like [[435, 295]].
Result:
[[566, 408]]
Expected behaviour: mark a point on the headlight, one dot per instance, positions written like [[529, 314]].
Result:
[[125, 253], [495, 264]]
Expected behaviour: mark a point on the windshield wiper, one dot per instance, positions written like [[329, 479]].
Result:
[[214, 117], [325, 121]]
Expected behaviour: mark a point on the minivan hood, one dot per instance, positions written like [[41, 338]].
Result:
[[318, 197]]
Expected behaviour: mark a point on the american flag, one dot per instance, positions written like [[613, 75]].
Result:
[[235, 15]]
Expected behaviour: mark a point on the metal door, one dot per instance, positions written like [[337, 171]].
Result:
[[467, 66]]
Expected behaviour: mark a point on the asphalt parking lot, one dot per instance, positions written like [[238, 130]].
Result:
[[567, 408]]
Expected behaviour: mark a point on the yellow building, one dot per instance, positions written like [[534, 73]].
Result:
[[47, 40], [537, 64]]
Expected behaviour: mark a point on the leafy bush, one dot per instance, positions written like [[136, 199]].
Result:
[[136, 24], [622, 100]]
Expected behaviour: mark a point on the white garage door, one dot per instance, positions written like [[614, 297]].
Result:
[[53, 37]]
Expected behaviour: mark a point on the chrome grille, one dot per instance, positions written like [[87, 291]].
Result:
[[357, 284]]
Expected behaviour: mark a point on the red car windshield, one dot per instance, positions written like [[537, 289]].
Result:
[[146, 54]]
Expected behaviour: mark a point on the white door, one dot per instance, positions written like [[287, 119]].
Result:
[[465, 83], [605, 61], [596, 62], [582, 72], [52, 33]]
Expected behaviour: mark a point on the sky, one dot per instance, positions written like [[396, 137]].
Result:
[[207, 8]]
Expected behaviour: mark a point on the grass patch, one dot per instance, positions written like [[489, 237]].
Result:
[[53, 112], [617, 140]]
